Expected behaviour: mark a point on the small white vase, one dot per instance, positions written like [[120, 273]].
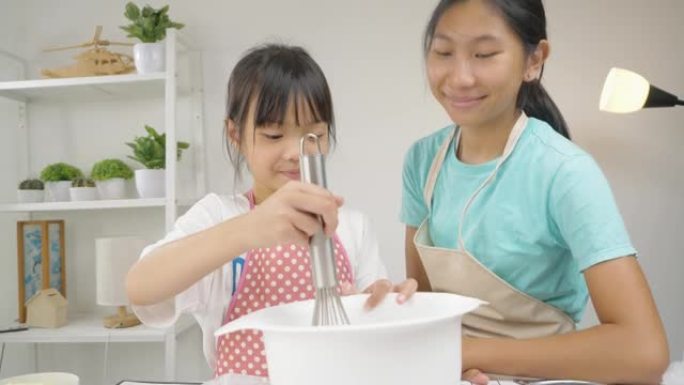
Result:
[[57, 191], [149, 57], [150, 183], [30, 196], [83, 193], [114, 188]]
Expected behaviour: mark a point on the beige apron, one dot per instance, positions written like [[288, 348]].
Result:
[[509, 312]]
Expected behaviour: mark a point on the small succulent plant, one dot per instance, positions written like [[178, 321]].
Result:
[[110, 169], [31, 184], [82, 182], [58, 172]]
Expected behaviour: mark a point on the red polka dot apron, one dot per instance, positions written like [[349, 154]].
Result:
[[271, 276]]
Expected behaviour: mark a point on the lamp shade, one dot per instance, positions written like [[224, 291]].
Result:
[[113, 258], [626, 91]]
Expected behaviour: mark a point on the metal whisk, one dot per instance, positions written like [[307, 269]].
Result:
[[328, 308]]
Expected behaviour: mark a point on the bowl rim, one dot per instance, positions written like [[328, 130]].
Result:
[[470, 305], [13, 379]]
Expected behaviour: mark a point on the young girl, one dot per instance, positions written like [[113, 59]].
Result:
[[502, 206], [232, 255]]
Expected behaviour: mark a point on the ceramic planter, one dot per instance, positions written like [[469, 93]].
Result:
[[149, 57], [114, 188], [83, 193], [30, 196], [57, 191], [150, 183]]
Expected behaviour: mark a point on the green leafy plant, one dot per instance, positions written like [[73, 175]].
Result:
[[111, 168], [57, 172], [31, 184], [150, 150], [149, 24], [82, 182]]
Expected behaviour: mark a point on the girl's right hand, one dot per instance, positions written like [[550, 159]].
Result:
[[475, 377], [290, 215]]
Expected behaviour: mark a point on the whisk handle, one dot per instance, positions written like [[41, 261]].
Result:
[[312, 169]]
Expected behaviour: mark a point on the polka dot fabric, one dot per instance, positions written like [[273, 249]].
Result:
[[272, 276]]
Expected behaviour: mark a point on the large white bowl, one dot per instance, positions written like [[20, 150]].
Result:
[[47, 378], [418, 342]]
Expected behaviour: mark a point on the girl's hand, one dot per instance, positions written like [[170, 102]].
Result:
[[475, 376], [290, 215], [379, 289]]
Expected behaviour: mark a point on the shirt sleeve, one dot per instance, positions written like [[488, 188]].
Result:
[[413, 207], [585, 214], [370, 267], [202, 215]]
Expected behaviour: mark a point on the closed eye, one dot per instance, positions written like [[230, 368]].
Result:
[[271, 136], [486, 55]]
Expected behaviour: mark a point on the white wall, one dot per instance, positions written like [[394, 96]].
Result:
[[370, 51]]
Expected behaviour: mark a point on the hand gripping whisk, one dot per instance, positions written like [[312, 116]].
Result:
[[328, 309]]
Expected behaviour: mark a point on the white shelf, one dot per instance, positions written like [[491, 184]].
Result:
[[83, 205], [88, 328], [132, 86]]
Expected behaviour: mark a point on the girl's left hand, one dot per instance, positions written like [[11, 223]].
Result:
[[380, 288]]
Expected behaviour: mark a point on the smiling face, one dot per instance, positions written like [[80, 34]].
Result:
[[476, 65], [271, 150]]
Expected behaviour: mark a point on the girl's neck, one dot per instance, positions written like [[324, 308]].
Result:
[[486, 142], [260, 193]]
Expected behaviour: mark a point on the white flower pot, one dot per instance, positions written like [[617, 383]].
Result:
[[150, 183], [30, 196], [149, 57], [114, 188], [83, 193], [57, 191]]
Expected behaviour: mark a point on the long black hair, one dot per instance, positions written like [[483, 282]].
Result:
[[272, 76], [528, 19]]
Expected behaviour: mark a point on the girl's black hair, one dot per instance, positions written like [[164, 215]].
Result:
[[528, 19], [271, 77]]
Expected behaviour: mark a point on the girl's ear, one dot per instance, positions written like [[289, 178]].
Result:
[[232, 133], [536, 60]]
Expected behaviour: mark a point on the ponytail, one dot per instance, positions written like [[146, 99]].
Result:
[[536, 102]]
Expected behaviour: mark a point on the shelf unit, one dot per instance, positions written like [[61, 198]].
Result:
[[164, 85], [84, 205], [86, 88], [87, 328]]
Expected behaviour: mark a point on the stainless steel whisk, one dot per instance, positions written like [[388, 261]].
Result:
[[328, 308]]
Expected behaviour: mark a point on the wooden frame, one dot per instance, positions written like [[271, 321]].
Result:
[[38, 242]]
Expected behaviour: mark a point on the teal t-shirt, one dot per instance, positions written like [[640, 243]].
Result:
[[548, 215]]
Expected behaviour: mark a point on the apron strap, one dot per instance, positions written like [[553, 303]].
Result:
[[436, 166]]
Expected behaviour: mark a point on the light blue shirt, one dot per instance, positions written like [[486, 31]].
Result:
[[548, 215]]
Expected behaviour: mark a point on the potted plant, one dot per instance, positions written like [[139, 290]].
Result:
[[150, 151], [83, 189], [110, 177], [30, 190], [149, 26], [57, 178]]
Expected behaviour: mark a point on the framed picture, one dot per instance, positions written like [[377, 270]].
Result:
[[41, 259]]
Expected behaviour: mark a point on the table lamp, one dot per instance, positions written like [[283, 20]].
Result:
[[114, 257], [626, 91]]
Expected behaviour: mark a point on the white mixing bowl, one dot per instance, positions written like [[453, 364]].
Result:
[[418, 342], [46, 378]]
